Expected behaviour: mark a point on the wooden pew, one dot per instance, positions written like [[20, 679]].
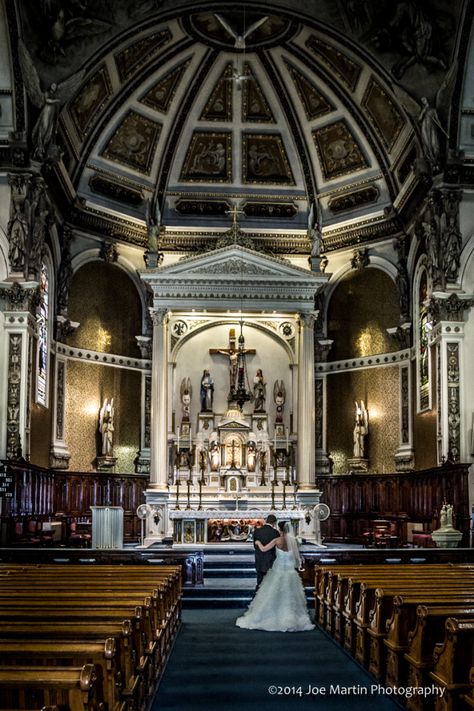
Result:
[[453, 660], [429, 631], [74, 686], [57, 594]]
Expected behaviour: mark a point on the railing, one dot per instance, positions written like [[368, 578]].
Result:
[[356, 500], [43, 495]]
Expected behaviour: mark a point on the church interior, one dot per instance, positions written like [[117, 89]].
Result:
[[236, 278]]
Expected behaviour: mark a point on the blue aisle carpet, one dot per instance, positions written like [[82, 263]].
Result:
[[216, 666]]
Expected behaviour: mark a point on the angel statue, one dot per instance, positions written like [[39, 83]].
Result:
[[49, 102], [279, 396], [361, 428], [106, 427], [153, 224], [186, 393], [314, 228], [431, 128], [239, 39]]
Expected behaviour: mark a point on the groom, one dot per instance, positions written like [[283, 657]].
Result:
[[265, 534]]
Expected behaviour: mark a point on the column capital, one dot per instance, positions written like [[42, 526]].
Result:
[[449, 308], [159, 316], [308, 319], [19, 296]]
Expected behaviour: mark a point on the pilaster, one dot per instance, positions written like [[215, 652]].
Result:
[[159, 401], [306, 411], [17, 302]]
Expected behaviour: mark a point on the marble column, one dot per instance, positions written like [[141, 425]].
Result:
[[159, 401], [306, 415]]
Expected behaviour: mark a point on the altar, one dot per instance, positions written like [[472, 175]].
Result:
[[216, 526], [232, 430]]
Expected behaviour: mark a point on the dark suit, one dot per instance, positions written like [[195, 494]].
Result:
[[264, 561]]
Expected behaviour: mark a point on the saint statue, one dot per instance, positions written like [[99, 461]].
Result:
[[207, 391], [361, 428], [259, 391], [106, 427]]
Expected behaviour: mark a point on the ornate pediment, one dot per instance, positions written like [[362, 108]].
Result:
[[233, 266], [231, 276]]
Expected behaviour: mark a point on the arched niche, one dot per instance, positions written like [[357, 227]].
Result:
[[104, 300], [362, 306], [193, 356]]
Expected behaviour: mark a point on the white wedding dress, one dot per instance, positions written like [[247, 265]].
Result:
[[280, 602]]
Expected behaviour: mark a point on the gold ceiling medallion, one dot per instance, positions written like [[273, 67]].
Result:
[[382, 113], [208, 158], [219, 104], [162, 94], [255, 107], [344, 68], [264, 159], [136, 55], [314, 103], [134, 142], [338, 151], [90, 101]]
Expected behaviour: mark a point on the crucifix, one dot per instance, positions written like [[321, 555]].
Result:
[[234, 212], [235, 229], [236, 358]]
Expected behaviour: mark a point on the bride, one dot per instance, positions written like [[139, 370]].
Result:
[[280, 602]]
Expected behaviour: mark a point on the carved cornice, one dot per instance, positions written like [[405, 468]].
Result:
[[375, 361], [110, 359]]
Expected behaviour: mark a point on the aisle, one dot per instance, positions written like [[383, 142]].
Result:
[[216, 665]]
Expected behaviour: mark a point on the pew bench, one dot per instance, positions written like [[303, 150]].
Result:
[[75, 687]]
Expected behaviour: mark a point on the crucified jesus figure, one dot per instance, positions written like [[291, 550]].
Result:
[[233, 354]]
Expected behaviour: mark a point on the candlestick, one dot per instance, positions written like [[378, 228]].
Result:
[[177, 493]]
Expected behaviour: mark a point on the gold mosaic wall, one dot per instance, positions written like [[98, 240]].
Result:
[[105, 302], [362, 307], [86, 386], [379, 389]]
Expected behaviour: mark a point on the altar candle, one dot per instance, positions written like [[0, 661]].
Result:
[[177, 431], [275, 443], [287, 439]]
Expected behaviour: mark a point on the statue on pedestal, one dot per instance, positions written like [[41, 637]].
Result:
[[361, 429], [259, 391], [207, 391], [106, 427]]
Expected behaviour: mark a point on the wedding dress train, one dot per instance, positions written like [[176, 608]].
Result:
[[280, 602]]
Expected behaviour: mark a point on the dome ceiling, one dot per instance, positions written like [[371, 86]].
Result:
[[220, 109]]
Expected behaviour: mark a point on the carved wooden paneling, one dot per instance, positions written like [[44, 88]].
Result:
[[44, 494], [356, 500]]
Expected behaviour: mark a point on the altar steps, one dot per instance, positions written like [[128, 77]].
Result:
[[229, 581]]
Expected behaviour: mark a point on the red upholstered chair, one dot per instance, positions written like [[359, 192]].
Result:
[[78, 537], [32, 533]]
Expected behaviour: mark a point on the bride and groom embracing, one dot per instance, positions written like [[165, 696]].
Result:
[[280, 602]]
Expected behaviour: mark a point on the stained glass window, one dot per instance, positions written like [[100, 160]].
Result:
[[43, 338], [423, 359]]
